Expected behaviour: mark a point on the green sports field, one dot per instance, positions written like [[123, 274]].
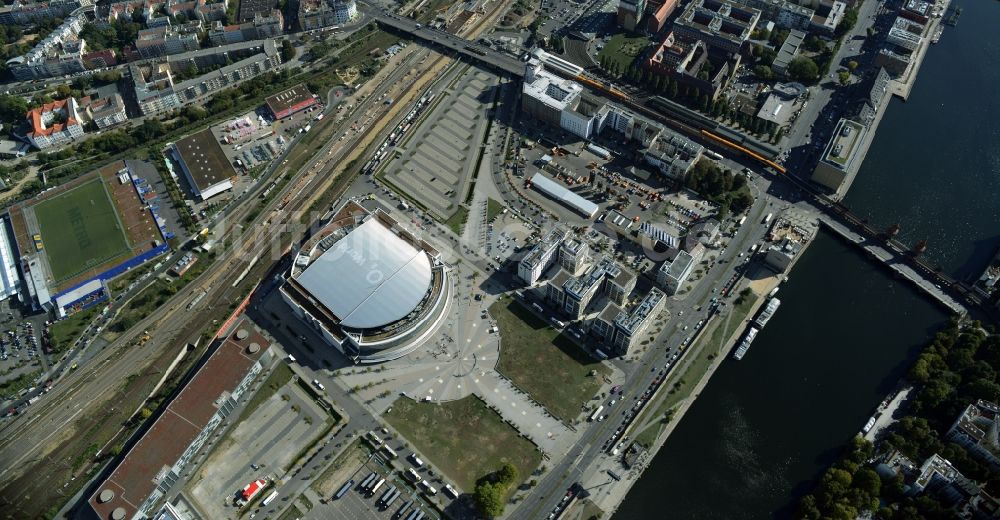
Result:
[[80, 230]]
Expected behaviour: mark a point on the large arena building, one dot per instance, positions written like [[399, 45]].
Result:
[[369, 288]]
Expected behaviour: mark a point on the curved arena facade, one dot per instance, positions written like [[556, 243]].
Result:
[[371, 289]]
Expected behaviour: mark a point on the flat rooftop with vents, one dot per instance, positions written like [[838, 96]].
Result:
[[204, 164], [288, 102], [147, 472]]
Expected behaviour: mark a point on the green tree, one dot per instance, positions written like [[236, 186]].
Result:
[[849, 21], [844, 76], [12, 108], [508, 474], [803, 69], [763, 72], [287, 51], [489, 499]]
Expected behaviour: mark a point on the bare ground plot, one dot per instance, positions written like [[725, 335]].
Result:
[[271, 437], [342, 469], [463, 438], [540, 361]]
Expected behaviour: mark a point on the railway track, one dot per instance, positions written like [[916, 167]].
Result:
[[173, 324]]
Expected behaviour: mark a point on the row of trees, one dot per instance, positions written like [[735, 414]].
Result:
[[955, 369]]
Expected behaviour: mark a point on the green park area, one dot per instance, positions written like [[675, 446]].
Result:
[[540, 361], [464, 439], [80, 230], [621, 51]]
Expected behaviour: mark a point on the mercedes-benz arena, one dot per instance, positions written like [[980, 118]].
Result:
[[370, 288]]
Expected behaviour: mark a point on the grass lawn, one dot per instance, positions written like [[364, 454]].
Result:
[[544, 363], [493, 208], [457, 221], [621, 50], [80, 229], [281, 375], [63, 332], [464, 439]]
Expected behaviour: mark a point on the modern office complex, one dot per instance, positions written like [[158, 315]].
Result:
[[674, 272], [840, 155], [622, 329], [368, 287], [573, 294], [630, 13], [541, 256]]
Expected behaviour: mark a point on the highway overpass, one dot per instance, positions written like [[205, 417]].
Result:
[[484, 55]]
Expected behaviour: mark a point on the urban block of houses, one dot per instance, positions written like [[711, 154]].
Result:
[[54, 124]]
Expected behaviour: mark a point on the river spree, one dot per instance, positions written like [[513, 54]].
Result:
[[765, 427], [934, 166]]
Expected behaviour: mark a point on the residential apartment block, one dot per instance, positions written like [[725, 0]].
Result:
[[630, 325], [156, 90], [58, 54], [724, 24], [261, 27], [168, 39], [54, 124], [977, 429], [107, 112], [26, 12]]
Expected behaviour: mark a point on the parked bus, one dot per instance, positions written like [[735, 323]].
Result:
[[388, 493], [428, 487], [767, 219], [450, 491], [375, 488], [742, 220], [343, 490], [412, 475], [597, 413], [368, 480], [270, 498], [389, 452], [402, 510]]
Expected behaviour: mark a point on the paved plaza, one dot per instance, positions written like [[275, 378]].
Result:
[[459, 361]]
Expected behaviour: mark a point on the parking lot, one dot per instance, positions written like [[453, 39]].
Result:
[[435, 164], [356, 503], [259, 446]]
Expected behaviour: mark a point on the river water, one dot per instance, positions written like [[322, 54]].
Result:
[[766, 426]]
